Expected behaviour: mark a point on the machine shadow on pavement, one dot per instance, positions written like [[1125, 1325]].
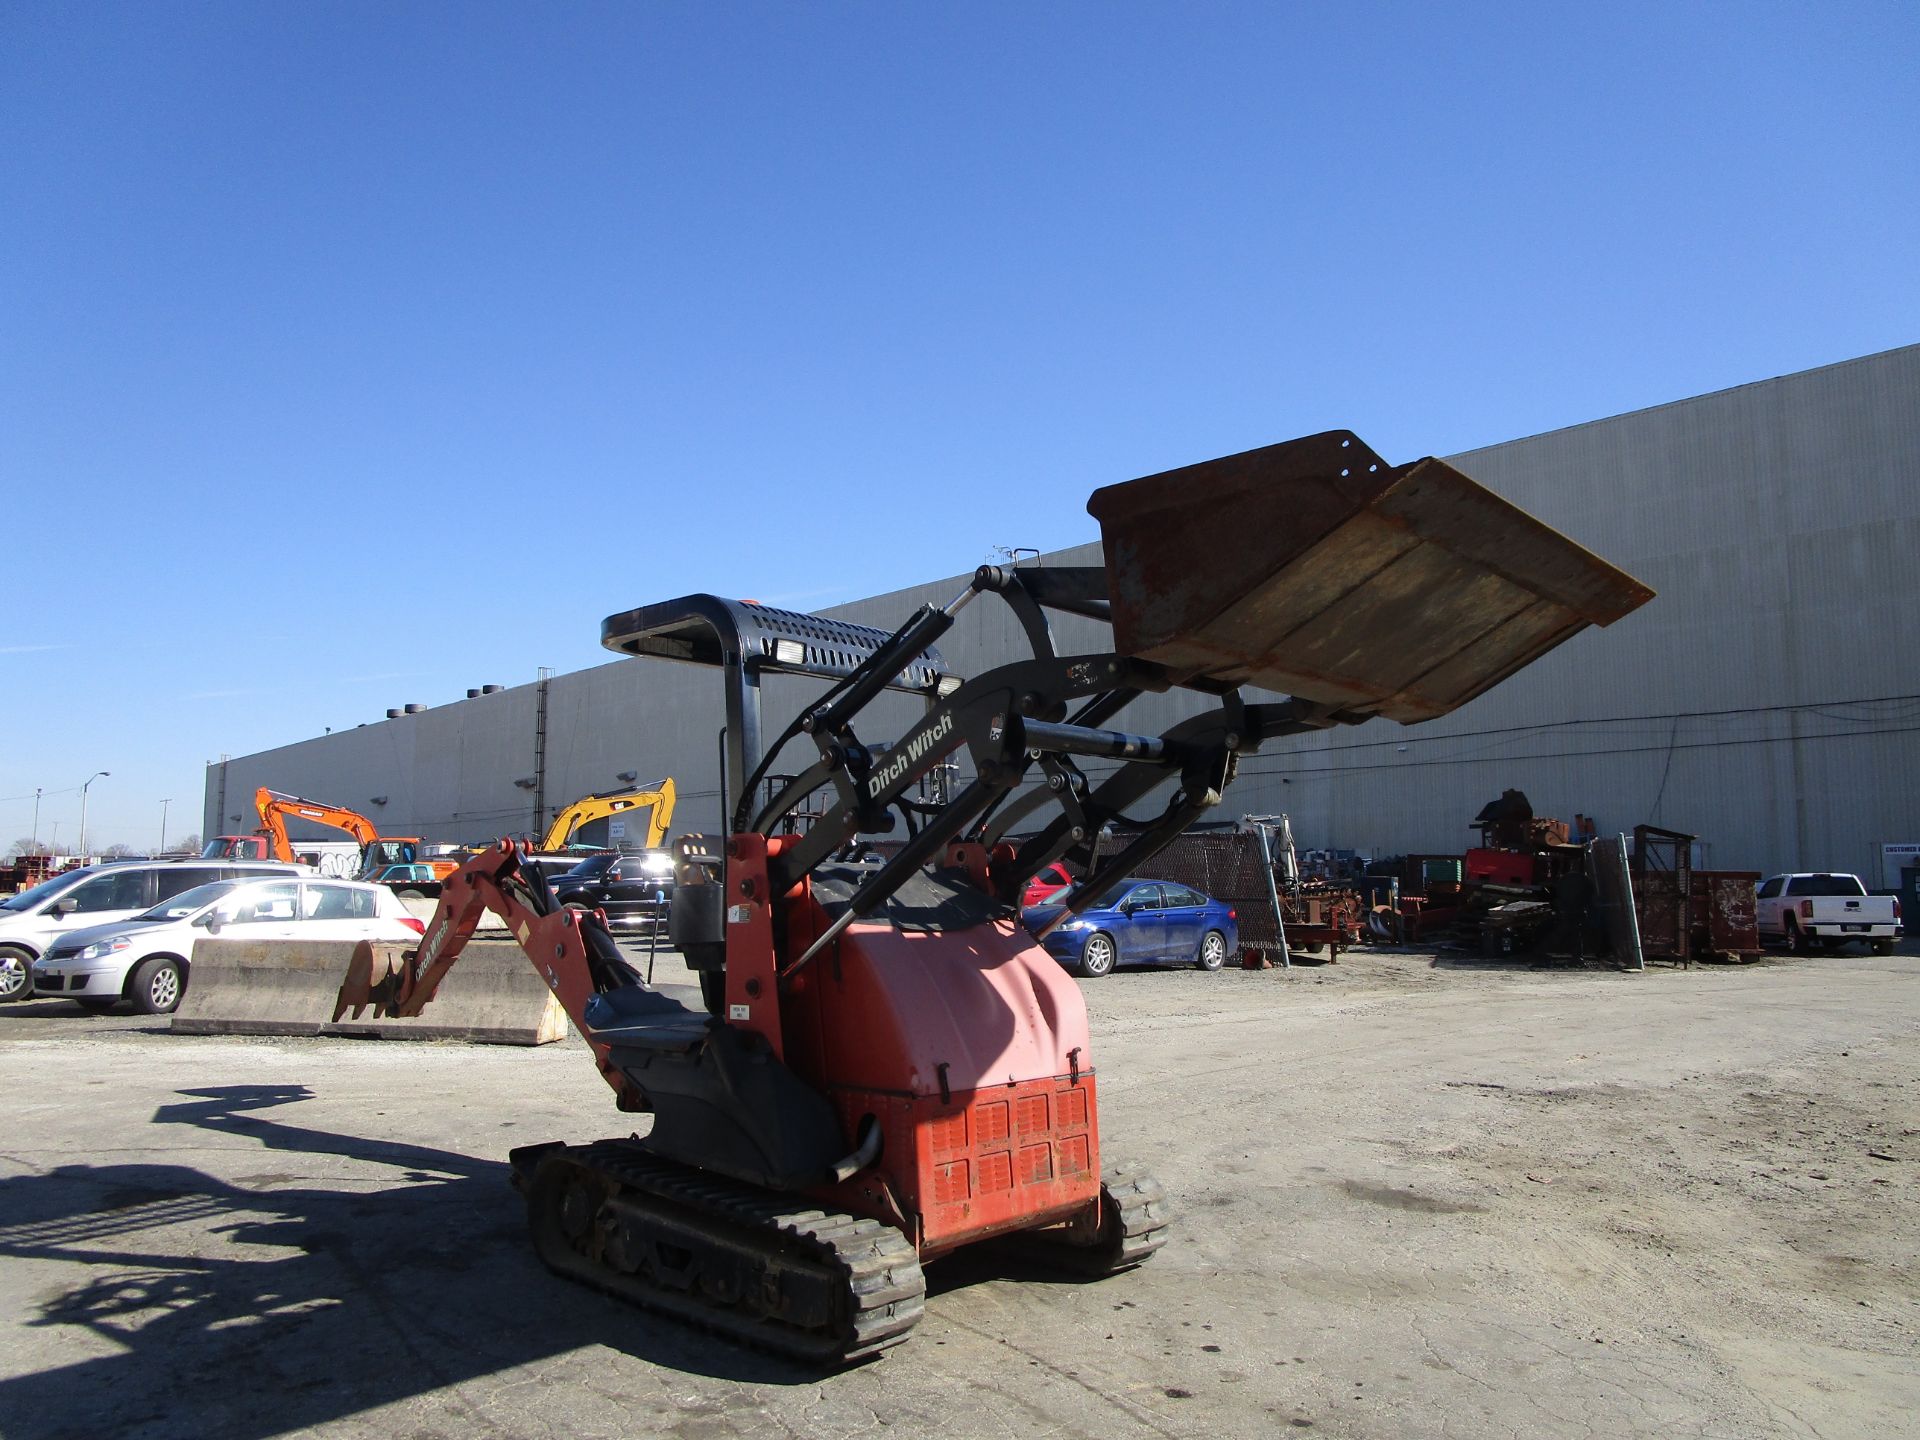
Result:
[[300, 1296]]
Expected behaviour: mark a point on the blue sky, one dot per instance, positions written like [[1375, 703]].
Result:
[[356, 354]]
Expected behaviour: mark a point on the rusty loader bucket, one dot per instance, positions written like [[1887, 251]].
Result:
[[1316, 569]]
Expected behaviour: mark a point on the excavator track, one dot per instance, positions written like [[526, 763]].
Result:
[[766, 1269], [1132, 1224]]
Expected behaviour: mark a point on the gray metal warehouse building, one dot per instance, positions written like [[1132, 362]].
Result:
[[1766, 699]]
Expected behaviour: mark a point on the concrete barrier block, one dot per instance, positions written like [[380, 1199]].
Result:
[[245, 987]]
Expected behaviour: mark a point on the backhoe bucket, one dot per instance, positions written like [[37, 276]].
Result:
[[1316, 569]]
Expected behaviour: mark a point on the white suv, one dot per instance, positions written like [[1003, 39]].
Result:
[[75, 899], [148, 959]]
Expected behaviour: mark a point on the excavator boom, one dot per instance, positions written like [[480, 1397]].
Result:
[[377, 851], [275, 807], [657, 799]]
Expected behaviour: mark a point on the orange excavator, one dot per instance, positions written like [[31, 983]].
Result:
[[377, 851], [887, 1065]]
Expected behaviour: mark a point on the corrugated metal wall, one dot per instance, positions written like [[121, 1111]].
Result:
[[1767, 699]]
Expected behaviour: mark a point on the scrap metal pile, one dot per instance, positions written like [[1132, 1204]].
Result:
[[1530, 888]]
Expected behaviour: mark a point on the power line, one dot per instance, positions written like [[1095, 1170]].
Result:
[[1585, 754], [1817, 706]]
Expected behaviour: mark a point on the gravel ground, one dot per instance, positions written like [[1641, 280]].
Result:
[[1417, 1197]]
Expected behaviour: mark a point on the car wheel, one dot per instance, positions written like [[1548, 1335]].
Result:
[[1213, 951], [16, 973], [157, 986], [410, 894], [1098, 957], [1796, 942]]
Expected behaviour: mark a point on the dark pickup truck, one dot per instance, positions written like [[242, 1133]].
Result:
[[631, 887]]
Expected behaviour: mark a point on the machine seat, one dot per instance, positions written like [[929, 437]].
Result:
[[643, 1018]]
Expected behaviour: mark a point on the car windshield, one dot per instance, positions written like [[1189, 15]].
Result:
[[27, 899], [191, 902], [592, 869]]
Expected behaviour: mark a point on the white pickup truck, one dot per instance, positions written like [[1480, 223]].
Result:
[[1817, 911]]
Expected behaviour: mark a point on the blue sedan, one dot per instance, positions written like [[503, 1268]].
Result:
[[1141, 920]]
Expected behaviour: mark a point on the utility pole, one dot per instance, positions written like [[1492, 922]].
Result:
[[97, 775], [541, 686], [163, 824], [36, 819]]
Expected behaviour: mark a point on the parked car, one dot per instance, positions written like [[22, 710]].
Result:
[[98, 895], [409, 882], [632, 887], [555, 863], [149, 959], [1044, 886], [1141, 920], [1816, 910]]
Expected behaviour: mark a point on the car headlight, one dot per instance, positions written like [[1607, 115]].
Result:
[[100, 949], [1078, 925]]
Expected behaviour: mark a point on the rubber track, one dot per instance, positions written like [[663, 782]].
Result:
[[885, 1290], [1144, 1214], [1143, 1217]]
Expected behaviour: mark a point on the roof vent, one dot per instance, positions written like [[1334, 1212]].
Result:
[[491, 689], [415, 709], [395, 714]]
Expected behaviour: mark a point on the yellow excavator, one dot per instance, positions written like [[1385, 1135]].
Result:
[[589, 808]]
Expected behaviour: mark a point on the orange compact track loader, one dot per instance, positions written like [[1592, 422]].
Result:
[[888, 1066]]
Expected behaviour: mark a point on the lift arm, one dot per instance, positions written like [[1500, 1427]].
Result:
[[1312, 569]]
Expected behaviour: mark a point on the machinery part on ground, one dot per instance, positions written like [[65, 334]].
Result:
[[892, 1066], [764, 1268], [657, 800], [1317, 914]]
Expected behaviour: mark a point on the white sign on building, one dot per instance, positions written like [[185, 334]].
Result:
[[1892, 859]]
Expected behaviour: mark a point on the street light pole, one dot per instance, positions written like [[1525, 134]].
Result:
[[36, 819], [163, 824], [97, 775]]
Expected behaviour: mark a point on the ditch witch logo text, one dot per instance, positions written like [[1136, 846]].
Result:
[[901, 758]]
